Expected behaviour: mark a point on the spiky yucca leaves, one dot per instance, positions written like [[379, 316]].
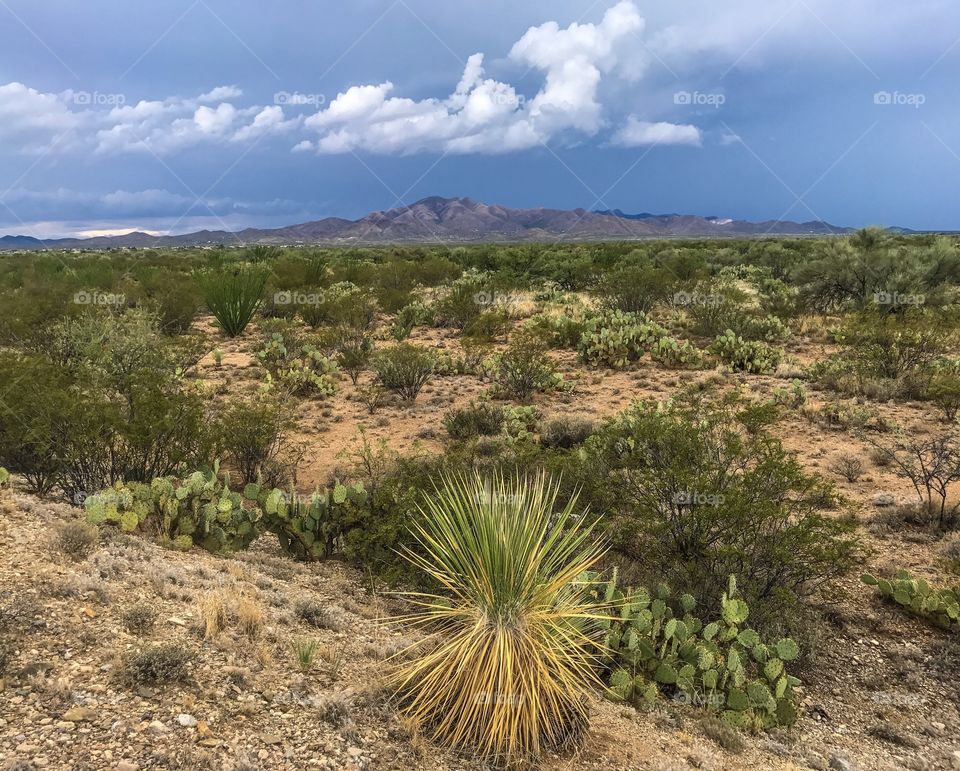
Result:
[[233, 296], [515, 628]]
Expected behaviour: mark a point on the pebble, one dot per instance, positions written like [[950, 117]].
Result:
[[126, 765], [187, 721], [80, 714], [955, 759], [157, 727]]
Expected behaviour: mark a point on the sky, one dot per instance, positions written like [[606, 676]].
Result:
[[175, 116]]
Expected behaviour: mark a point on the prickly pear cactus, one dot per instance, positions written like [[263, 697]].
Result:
[[198, 510], [656, 646], [4, 478], [309, 527], [939, 606], [614, 338], [674, 354], [751, 356]]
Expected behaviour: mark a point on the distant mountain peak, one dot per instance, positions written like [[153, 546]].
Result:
[[459, 219]]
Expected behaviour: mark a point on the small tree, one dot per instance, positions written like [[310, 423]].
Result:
[[405, 369], [932, 466], [524, 367]]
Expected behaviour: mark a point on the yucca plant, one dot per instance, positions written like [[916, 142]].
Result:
[[514, 629], [233, 296]]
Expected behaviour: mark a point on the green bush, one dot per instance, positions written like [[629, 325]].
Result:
[[405, 369], [524, 368], [562, 331], [482, 419], [691, 496], [233, 296], [565, 432], [636, 288], [253, 435], [747, 356], [940, 606], [722, 666], [944, 392], [155, 665]]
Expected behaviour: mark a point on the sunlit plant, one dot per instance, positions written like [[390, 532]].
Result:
[[509, 657]]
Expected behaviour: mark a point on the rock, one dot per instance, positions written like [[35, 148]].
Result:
[[354, 752], [157, 727], [271, 738], [187, 721], [127, 765], [882, 500], [955, 759], [80, 715], [840, 763]]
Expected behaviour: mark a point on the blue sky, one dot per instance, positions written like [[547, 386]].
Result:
[[187, 114]]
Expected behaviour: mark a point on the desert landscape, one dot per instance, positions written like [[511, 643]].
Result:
[[224, 467]]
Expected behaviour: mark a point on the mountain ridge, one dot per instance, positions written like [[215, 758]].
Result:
[[459, 219]]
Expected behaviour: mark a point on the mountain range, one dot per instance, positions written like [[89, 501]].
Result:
[[436, 219]]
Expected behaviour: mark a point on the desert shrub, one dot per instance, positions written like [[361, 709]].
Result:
[[515, 684], [253, 435], [410, 316], [747, 356], [316, 614], [636, 288], [940, 606], [344, 305], [793, 397], [465, 299], [139, 619], [404, 369], [487, 326], [155, 665], [481, 419], [722, 666], [76, 539], [615, 339], [565, 432], [692, 496], [848, 416], [848, 467], [524, 368], [722, 733], [561, 331], [944, 392], [233, 296], [354, 354], [932, 466]]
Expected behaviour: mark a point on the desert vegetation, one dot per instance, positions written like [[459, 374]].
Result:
[[667, 486]]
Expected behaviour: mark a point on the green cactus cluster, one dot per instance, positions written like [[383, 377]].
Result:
[[198, 510], [940, 606], [4, 478], [653, 650], [751, 356], [676, 354], [304, 371], [794, 396], [614, 338], [202, 510], [308, 527], [520, 423]]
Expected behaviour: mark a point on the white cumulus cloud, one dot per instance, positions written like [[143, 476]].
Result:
[[636, 133]]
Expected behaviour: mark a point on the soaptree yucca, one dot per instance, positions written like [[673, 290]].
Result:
[[508, 663]]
